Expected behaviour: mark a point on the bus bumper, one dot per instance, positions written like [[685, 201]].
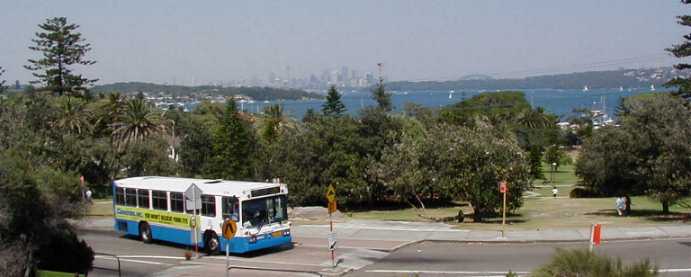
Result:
[[246, 244]]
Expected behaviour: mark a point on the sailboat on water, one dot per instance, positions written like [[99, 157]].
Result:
[[586, 89], [451, 92], [621, 88], [652, 87]]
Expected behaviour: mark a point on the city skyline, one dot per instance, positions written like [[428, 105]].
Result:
[[220, 42]]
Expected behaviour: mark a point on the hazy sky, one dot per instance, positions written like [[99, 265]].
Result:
[[197, 42]]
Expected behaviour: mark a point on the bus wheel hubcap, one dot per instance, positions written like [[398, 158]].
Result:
[[213, 244]]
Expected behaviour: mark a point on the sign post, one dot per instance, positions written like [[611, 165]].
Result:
[[595, 236], [229, 229], [193, 197], [331, 197], [503, 189]]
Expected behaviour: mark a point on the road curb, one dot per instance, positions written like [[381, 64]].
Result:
[[541, 241], [494, 241]]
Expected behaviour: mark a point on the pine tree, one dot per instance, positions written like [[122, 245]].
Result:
[[681, 51], [382, 97], [2, 82], [333, 105], [233, 147], [61, 47], [310, 116]]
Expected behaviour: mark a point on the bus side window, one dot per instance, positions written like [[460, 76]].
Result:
[[231, 208], [119, 196], [208, 205]]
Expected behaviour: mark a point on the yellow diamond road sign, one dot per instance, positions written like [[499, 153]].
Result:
[[331, 194], [229, 229]]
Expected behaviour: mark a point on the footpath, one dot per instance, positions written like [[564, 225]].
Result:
[[362, 232]]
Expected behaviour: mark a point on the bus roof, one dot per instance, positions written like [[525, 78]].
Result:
[[207, 186]]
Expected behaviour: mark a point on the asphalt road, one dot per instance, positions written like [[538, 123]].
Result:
[[672, 256], [163, 259]]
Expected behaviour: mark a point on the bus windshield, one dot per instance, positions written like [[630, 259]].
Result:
[[262, 211]]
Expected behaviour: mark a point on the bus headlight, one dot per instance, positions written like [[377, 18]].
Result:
[[286, 233]]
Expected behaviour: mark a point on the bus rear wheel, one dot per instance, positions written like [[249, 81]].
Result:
[[211, 243], [145, 232]]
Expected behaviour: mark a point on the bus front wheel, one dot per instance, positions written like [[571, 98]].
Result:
[[145, 232], [211, 243]]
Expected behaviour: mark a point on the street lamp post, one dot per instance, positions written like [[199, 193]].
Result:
[[554, 167]]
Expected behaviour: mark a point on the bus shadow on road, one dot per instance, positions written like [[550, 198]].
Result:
[[253, 254]]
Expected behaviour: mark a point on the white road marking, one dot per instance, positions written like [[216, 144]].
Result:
[[674, 270], [443, 272], [387, 228], [152, 257], [452, 272], [261, 262], [131, 261]]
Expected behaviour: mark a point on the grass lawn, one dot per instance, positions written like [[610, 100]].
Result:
[[564, 179], [540, 213], [101, 207]]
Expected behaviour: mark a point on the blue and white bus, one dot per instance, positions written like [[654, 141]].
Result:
[[154, 208]]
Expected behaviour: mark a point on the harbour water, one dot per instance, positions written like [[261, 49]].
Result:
[[559, 102]]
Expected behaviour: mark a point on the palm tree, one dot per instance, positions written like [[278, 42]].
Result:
[[138, 121], [73, 116], [535, 119]]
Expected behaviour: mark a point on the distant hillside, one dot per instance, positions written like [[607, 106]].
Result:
[[627, 78], [257, 93]]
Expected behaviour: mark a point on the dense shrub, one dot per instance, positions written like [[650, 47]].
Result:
[[582, 193], [63, 251], [583, 263]]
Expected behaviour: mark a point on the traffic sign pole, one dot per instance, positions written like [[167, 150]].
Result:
[[227, 259], [331, 197], [503, 188], [194, 213], [228, 230], [331, 224]]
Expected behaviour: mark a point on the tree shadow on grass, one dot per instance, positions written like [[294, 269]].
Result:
[[510, 219], [647, 214]]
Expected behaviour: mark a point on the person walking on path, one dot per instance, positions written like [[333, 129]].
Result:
[[88, 195], [620, 205]]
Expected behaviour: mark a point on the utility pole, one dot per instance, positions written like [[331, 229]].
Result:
[[380, 66]]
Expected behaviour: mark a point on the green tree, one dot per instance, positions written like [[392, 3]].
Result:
[[554, 155], [138, 121], [649, 153], [233, 147], [61, 47], [471, 162], [382, 97], [404, 170], [325, 151], [581, 262], [498, 108], [272, 123], [682, 51], [660, 125], [148, 157], [73, 118], [33, 206], [309, 116], [196, 149], [607, 164], [333, 105]]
